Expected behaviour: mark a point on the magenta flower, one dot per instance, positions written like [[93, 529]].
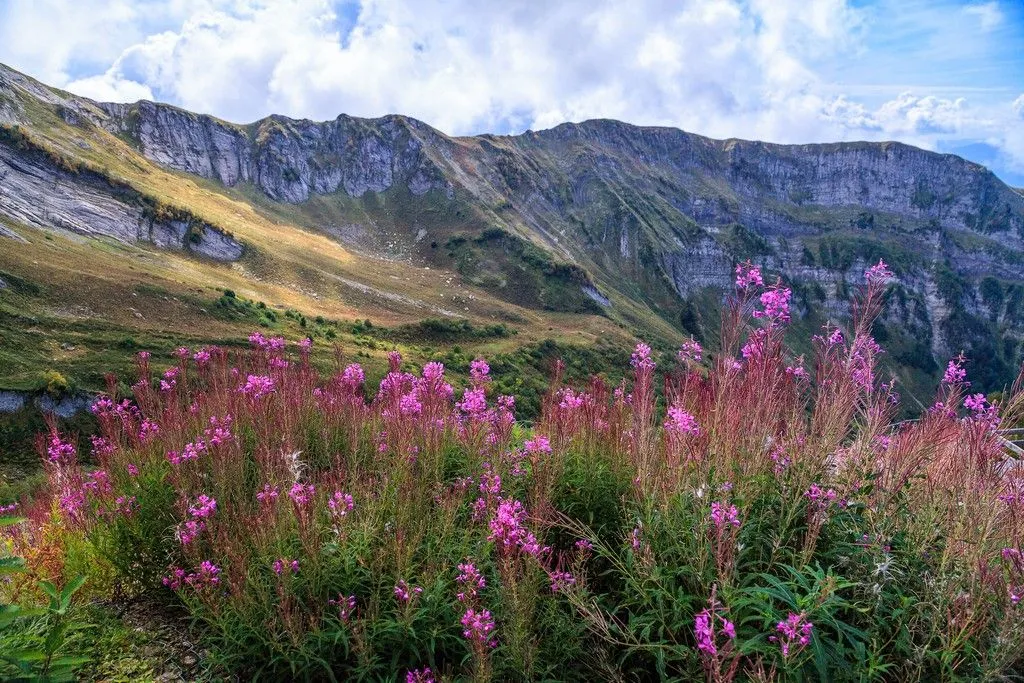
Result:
[[796, 634], [268, 494], [561, 580], [680, 422], [479, 371], [538, 445], [471, 580], [404, 592], [341, 504], [748, 275], [58, 450], [478, 627], [776, 305], [878, 273], [955, 373], [301, 495], [705, 632], [424, 675], [722, 516], [346, 606], [691, 350], [204, 507], [641, 357], [281, 564], [258, 386]]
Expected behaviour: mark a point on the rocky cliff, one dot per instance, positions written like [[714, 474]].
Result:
[[610, 211]]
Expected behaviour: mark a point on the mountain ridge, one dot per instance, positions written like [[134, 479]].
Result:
[[640, 225]]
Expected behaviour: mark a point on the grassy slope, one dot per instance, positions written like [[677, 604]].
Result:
[[102, 297]]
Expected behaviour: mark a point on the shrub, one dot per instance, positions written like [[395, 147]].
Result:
[[762, 520]]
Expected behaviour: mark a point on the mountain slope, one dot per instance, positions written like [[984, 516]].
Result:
[[599, 227]]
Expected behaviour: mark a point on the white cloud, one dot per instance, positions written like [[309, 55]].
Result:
[[1018, 106], [989, 15], [727, 68]]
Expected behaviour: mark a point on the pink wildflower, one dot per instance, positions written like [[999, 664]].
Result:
[[748, 275], [478, 627]]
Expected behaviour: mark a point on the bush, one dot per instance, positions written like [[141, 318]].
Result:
[[759, 521]]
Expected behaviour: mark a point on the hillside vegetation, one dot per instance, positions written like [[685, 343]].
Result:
[[741, 514]]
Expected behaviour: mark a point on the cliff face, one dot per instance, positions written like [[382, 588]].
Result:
[[654, 215], [288, 160]]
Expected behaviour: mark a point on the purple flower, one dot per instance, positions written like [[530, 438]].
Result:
[[301, 494], [424, 675], [346, 606], [641, 357], [258, 386], [955, 373], [404, 592], [690, 350], [878, 273], [478, 626], [471, 580], [748, 275], [722, 516], [796, 634], [680, 422]]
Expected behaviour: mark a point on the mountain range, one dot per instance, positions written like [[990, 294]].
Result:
[[144, 225]]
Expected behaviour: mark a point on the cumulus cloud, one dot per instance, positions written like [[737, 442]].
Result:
[[988, 14], [725, 68]]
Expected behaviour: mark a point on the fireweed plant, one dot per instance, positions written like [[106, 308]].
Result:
[[769, 520]]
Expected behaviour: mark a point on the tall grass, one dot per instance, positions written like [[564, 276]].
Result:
[[769, 522]]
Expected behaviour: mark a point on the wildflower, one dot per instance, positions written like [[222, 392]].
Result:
[[305, 345], [148, 430], [301, 494], [776, 305], [584, 545], [258, 386], [409, 405], [346, 606], [353, 375], [796, 634], [340, 504], [722, 516], [478, 626], [424, 675], [58, 450], [201, 357], [955, 373], [133, 470], [820, 498], [641, 358], [538, 445], [404, 592], [474, 402], [691, 350], [471, 580], [281, 564], [7, 509], [748, 275], [680, 422], [479, 371], [204, 507], [189, 530], [705, 632], [561, 580], [257, 340], [219, 431], [124, 505], [97, 482], [635, 538], [101, 447], [878, 273], [268, 494]]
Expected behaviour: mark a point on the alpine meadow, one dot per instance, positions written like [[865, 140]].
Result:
[[359, 399]]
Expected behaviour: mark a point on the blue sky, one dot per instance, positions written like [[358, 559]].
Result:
[[947, 75]]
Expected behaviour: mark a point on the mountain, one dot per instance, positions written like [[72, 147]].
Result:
[[588, 233]]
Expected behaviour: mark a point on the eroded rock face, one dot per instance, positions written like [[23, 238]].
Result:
[[285, 158], [35, 192]]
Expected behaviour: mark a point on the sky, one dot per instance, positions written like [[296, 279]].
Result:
[[947, 75]]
